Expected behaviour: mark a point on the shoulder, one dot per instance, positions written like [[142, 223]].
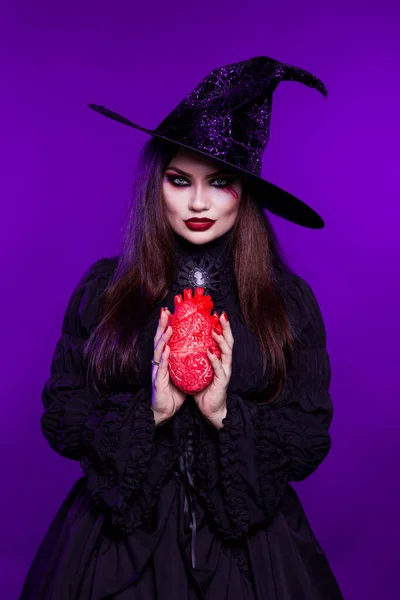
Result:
[[302, 306], [294, 288], [101, 270], [83, 309]]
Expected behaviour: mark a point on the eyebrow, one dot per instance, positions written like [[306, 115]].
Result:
[[188, 174]]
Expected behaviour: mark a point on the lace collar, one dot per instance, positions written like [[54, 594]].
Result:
[[208, 265]]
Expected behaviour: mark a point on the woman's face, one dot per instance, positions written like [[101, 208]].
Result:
[[192, 188]]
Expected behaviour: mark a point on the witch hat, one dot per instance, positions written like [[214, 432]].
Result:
[[227, 117]]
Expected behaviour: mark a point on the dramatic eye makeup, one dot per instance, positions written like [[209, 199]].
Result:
[[173, 178], [228, 178]]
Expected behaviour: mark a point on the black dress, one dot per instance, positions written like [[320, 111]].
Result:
[[186, 511]]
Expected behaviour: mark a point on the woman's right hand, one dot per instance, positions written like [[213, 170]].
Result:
[[166, 397]]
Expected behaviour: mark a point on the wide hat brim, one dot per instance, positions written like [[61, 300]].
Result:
[[272, 197]]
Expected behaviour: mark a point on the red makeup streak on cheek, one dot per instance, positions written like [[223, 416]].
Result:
[[233, 192]]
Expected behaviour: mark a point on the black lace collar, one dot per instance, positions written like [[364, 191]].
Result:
[[208, 265]]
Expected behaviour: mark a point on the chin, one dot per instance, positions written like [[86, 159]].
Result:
[[199, 237]]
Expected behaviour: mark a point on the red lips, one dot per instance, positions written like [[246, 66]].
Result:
[[197, 220], [199, 225]]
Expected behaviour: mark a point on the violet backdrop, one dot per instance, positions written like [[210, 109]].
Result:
[[66, 175]]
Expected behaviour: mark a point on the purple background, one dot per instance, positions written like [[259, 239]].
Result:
[[66, 175]]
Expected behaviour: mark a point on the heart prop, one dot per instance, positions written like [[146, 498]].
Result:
[[192, 324]]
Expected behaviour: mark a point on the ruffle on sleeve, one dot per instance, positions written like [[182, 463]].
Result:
[[127, 458], [65, 398], [112, 434], [259, 449]]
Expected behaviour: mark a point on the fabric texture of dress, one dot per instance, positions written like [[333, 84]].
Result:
[[185, 511]]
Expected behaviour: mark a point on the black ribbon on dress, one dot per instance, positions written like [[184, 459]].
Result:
[[186, 460]]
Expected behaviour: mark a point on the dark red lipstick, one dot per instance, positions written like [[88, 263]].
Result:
[[196, 224]]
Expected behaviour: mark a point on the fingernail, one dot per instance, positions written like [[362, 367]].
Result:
[[226, 316], [211, 350]]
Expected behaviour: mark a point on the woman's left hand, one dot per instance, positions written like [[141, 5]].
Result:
[[212, 399]]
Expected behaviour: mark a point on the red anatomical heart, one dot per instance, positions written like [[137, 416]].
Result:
[[192, 324]]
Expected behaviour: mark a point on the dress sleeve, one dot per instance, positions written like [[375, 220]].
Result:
[[245, 466], [112, 433]]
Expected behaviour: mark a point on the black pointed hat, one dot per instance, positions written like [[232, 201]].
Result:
[[227, 118]]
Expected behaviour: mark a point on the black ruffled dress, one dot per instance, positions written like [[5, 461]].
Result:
[[186, 511]]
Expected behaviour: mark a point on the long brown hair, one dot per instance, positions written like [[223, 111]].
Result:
[[145, 270]]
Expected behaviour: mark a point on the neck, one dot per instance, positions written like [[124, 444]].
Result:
[[215, 247], [208, 265]]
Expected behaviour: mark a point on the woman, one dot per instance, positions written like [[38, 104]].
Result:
[[187, 496]]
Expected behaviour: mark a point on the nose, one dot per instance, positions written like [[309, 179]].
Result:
[[199, 199]]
